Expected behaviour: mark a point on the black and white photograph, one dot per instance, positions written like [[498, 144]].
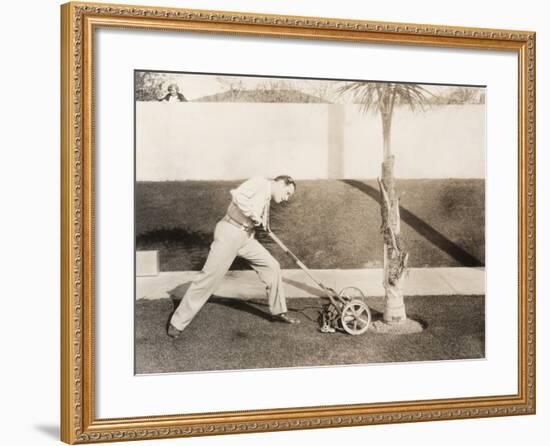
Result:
[[298, 222]]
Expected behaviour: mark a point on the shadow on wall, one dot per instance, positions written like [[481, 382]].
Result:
[[421, 227]]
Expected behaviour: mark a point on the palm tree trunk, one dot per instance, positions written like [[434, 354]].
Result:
[[395, 256]]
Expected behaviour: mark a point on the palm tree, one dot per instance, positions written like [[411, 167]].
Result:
[[382, 98]]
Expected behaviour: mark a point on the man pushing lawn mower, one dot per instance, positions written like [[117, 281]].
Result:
[[235, 236]]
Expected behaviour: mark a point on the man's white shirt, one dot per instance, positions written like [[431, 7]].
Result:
[[253, 197]]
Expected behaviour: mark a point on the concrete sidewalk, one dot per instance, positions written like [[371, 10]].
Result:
[[246, 284]]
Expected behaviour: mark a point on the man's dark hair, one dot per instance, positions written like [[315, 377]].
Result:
[[286, 179]]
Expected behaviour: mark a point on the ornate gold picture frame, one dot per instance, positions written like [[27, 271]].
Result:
[[79, 55]]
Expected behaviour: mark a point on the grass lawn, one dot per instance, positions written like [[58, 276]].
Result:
[[233, 334], [328, 223]]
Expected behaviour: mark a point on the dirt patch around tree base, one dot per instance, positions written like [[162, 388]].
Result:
[[408, 326]]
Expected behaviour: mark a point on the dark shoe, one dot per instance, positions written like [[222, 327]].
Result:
[[173, 332], [283, 317]]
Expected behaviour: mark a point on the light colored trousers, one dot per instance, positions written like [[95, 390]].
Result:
[[230, 242]]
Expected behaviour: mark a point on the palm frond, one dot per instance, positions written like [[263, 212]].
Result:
[[366, 94], [378, 95], [414, 96]]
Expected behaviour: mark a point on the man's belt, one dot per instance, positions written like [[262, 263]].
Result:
[[235, 214], [234, 222]]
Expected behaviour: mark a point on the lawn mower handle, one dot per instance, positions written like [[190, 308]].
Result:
[[299, 262]]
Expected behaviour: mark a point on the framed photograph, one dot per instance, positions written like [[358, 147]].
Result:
[[275, 223]]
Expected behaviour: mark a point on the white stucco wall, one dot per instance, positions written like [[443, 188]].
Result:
[[221, 141], [441, 142]]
